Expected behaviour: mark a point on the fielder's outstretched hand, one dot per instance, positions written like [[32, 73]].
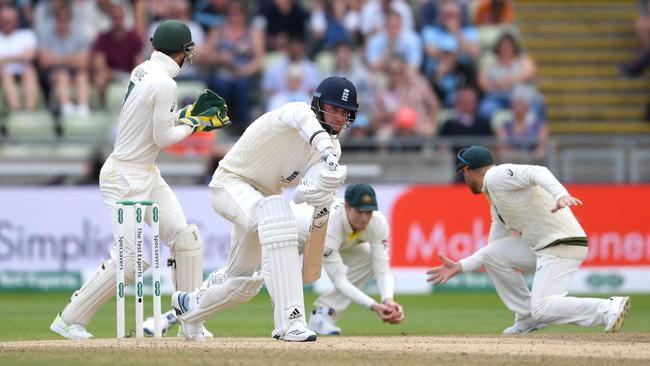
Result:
[[398, 311], [384, 312], [441, 274], [565, 201]]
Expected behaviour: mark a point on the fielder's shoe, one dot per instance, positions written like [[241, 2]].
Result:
[[182, 302], [70, 331], [524, 328], [615, 315], [167, 320], [321, 322], [297, 332]]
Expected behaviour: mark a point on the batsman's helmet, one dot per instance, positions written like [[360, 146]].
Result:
[[339, 92], [172, 36]]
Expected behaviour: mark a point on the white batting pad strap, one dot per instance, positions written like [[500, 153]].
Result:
[[187, 271], [219, 297], [97, 291], [280, 261]]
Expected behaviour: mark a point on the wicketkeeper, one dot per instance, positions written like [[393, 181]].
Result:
[[149, 121]]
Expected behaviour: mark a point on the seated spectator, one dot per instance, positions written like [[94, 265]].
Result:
[[642, 29], [451, 29], [326, 24], [283, 18], [274, 77], [494, 12], [347, 65], [405, 89], [115, 53], [406, 137], [17, 54], [526, 134], [497, 80], [98, 16], [210, 13], [462, 120], [64, 57], [374, 14], [429, 12], [236, 52], [294, 92], [450, 74], [394, 40]]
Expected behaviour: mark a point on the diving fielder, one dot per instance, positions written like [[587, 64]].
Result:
[[532, 229], [291, 144], [148, 122]]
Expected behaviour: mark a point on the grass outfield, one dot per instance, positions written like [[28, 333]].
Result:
[[27, 316]]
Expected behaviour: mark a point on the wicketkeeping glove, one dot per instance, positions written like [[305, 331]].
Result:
[[210, 104]]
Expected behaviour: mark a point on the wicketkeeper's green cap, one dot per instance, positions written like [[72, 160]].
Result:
[[362, 197], [473, 157]]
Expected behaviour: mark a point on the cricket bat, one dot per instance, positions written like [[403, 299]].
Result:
[[312, 261]]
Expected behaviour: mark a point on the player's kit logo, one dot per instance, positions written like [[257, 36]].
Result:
[[327, 252], [172, 108], [321, 217], [291, 177], [510, 172], [346, 94], [366, 199], [295, 314]]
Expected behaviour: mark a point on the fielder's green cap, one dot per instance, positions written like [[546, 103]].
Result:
[[361, 196], [473, 157]]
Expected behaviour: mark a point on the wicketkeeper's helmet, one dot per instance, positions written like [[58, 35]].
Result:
[[339, 92], [172, 36]]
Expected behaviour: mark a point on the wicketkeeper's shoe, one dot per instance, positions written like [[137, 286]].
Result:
[[182, 302], [618, 308], [321, 322], [70, 331], [167, 320], [298, 332], [524, 328]]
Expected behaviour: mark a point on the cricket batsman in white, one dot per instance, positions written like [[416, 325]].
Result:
[[148, 122], [356, 248], [294, 143], [534, 230]]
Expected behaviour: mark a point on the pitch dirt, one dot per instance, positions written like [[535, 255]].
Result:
[[554, 349]]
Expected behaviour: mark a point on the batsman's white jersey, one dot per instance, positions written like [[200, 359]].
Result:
[[351, 257], [146, 125], [273, 153], [526, 235]]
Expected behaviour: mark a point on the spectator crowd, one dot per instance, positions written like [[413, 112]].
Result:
[[423, 68]]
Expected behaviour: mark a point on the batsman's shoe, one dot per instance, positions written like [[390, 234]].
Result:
[[167, 320], [298, 332], [321, 322], [618, 308], [206, 333], [524, 328], [182, 302], [70, 331]]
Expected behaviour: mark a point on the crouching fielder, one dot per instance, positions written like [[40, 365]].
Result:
[[148, 122], [276, 151], [532, 229], [356, 248]]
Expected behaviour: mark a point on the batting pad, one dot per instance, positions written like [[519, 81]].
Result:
[[281, 267], [187, 272], [219, 297], [97, 291]]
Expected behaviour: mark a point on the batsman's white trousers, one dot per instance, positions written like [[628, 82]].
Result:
[[547, 300], [358, 259]]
